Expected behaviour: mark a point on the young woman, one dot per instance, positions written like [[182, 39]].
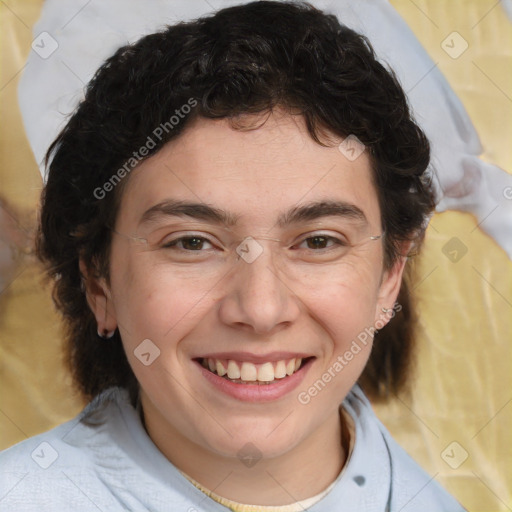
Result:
[[227, 217]]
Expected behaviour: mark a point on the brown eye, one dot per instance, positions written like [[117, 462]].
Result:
[[317, 242], [321, 242], [193, 243], [188, 243]]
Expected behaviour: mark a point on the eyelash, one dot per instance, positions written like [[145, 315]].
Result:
[[173, 243]]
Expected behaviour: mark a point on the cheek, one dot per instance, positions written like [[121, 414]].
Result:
[[343, 306], [342, 293], [344, 310], [152, 302]]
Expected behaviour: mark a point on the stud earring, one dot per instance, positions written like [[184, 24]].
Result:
[[106, 335]]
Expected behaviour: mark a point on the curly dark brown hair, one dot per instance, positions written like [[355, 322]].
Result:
[[245, 59]]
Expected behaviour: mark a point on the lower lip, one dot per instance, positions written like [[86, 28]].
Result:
[[256, 392]]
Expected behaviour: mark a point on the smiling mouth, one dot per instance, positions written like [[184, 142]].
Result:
[[243, 372]]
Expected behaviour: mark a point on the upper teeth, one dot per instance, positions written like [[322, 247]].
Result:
[[250, 372]]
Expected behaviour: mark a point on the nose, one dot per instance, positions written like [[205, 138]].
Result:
[[258, 297]]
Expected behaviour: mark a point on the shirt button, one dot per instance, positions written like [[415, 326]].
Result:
[[360, 480]]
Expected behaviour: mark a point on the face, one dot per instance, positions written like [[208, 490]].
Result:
[[278, 311]]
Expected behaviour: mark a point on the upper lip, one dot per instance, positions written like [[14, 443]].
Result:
[[254, 358]]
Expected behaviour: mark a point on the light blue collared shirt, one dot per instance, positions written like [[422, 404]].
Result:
[[104, 460]]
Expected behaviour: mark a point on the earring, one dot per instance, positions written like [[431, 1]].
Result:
[[386, 310], [106, 335]]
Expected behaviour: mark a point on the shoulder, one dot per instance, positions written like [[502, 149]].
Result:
[[61, 446], [44, 452], [412, 489], [54, 466]]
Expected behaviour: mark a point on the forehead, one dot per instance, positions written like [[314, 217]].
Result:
[[255, 171]]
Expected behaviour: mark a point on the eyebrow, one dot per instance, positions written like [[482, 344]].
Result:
[[201, 211]]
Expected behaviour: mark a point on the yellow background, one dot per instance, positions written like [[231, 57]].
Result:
[[462, 391]]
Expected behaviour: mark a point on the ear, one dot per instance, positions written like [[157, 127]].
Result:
[[99, 299], [390, 287]]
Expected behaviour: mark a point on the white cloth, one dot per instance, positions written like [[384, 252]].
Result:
[[104, 460], [86, 33]]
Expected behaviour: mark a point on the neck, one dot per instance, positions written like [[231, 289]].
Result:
[[300, 473]]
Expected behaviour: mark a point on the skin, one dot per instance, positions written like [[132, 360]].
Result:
[[188, 308]]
